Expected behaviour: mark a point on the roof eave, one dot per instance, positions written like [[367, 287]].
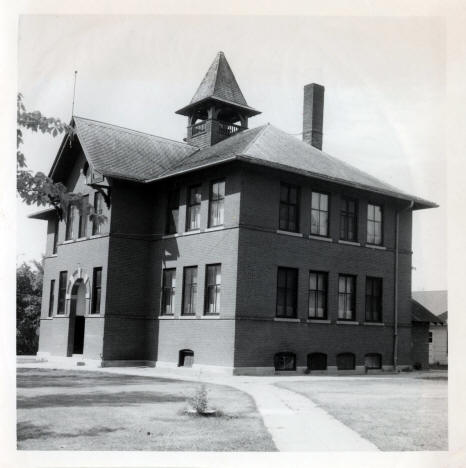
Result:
[[186, 110], [43, 214]]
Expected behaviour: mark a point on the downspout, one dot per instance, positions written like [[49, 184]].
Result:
[[395, 324]]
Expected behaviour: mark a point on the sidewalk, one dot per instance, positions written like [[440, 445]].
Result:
[[294, 422]]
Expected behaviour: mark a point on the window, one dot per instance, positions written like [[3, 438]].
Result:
[[319, 214], [430, 337], [348, 220], [287, 292], [213, 288], [189, 291], [373, 299], [317, 361], [289, 208], [346, 361], [55, 236], [62, 292], [51, 297], [186, 358], [168, 291], [69, 223], [346, 297], [82, 229], [193, 213], [317, 295], [285, 362], [216, 203], [173, 207], [373, 361], [374, 224], [97, 227], [96, 290]]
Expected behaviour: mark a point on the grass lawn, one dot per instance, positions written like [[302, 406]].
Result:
[[83, 410], [395, 413]]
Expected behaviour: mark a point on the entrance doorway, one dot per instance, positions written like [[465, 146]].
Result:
[[77, 318], [186, 358]]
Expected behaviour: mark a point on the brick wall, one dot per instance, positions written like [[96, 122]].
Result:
[[262, 250], [420, 344]]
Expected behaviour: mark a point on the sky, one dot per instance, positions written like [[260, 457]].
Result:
[[384, 84]]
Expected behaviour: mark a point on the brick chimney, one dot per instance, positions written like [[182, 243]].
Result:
[[313, 114]]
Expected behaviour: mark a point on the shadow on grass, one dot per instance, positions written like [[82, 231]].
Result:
[[27, 431], [36, 378], [97, 399]]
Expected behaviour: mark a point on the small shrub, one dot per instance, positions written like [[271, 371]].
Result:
[[199, 400]]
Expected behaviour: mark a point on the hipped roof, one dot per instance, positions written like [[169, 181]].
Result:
[[127, 154], [219, 84]]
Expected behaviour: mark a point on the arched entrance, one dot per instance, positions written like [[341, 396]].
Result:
[[77, 322]]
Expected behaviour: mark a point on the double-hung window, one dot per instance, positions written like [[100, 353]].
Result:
[[55, 236], [98, 203], [318, 295], [348, 220], [69, 222], [374, 224], [82, 228], [346, 297], [213, 289], [62, 292], [168, 291], [216, 203], [373, 299], [193, 212], [51, 297], [287, 292], [189, 291], [96, 290], [319, 214], [289, 208], [173, 207]]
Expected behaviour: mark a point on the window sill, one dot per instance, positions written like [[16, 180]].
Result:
[[170, 236], [94, 315], [80, 239], [60, 316], [347, 322], [286, 319], [187, 317], [214, 228], [46, 318], [349, 243], [321, 238], [377, 324], [69, 241], [318, 321], [212, 316], [96, 236], [190, 233], [52, 255], [290, 233], [166, 317], [376, 247]]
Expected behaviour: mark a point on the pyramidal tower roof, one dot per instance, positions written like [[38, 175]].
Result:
[[219, 84]]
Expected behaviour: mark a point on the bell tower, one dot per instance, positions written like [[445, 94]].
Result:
[[218, 109]]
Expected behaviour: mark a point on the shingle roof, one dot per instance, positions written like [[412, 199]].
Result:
[[219, 83], [420, 314], [435, 301], [270, 146], [127, 154]]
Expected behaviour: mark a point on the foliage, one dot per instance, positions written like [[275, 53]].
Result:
[[28, 303], [199, 400], [37, 188]]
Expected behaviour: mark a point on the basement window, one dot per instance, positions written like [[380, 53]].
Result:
[[346, 361], [285, 361], [317, 361]]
